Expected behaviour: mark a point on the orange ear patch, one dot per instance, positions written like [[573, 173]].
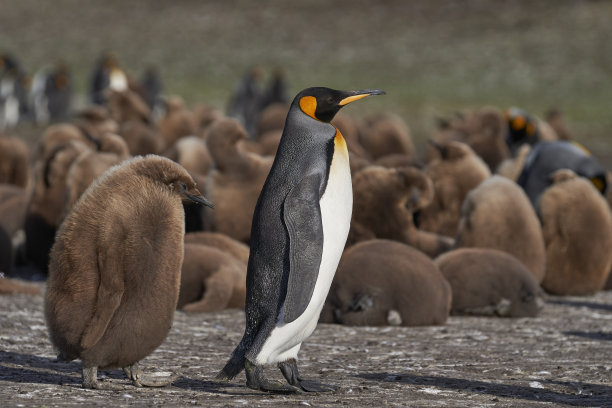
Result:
[[530, 129], [518, 123], [308, 104]]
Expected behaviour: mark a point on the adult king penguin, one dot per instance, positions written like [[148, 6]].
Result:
[[299, 230]]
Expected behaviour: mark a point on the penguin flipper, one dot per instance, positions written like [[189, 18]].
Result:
[[302, 215], [108, 297]]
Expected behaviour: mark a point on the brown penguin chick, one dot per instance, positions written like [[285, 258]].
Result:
[[95, 121], [229, 245], [211, 280], [384, 133], [385, 201], [486, 134], [191, 153], [114, 270], [10, 286], [234, 182], [269, 142], [484, 130], [357, 163], [381, 282], [60, 135], [266, 145], [44, 209], [127, 105], [90, 165], [454, 173], [489, 282], [115, 144], [177, 122], [577, 228], [14, 162], [141, 138], [498, 215], [205, 115], [272, 118]]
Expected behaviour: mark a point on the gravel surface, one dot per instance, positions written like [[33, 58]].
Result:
[[561, 358]]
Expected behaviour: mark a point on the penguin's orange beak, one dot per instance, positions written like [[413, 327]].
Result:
[[356, 95]]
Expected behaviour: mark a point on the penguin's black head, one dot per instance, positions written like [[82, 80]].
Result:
[[522, 128], [323, 103]]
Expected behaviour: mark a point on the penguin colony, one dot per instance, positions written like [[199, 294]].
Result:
[[436, 215]]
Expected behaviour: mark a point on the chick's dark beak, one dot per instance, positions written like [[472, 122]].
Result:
[[195, 198], [199, 200]]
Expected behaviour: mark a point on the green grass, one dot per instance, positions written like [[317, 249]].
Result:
[[432, 57]]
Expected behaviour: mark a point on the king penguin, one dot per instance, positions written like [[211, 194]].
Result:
[[300, 225]]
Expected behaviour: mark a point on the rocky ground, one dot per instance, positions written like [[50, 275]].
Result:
[[561, 358]]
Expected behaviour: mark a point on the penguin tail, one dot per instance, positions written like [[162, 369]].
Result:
[[234, 366]]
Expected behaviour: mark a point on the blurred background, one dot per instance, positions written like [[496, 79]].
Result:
[[432, 57]]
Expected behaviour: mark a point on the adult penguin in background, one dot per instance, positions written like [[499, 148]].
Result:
[[545, 158], [299, 230]]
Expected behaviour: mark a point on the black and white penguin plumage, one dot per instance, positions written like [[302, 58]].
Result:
[[545, 158], [299, 230]]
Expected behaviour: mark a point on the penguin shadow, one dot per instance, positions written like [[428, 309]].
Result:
[[581, 303], [578, 394], [27, 368], [605, 336], [31, 369], [215, 387]]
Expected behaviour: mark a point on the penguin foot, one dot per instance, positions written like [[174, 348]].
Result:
[[90, 381], [140, 379], [256, 381], [292, 375]]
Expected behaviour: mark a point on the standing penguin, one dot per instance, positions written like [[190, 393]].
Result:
[[299, 230], [115, 267]]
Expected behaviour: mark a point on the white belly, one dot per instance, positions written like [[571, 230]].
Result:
[[336, 207]]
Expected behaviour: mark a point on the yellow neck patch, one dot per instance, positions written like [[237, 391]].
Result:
[[598, 183], [308, 104], [581, 147], [340, 144]]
